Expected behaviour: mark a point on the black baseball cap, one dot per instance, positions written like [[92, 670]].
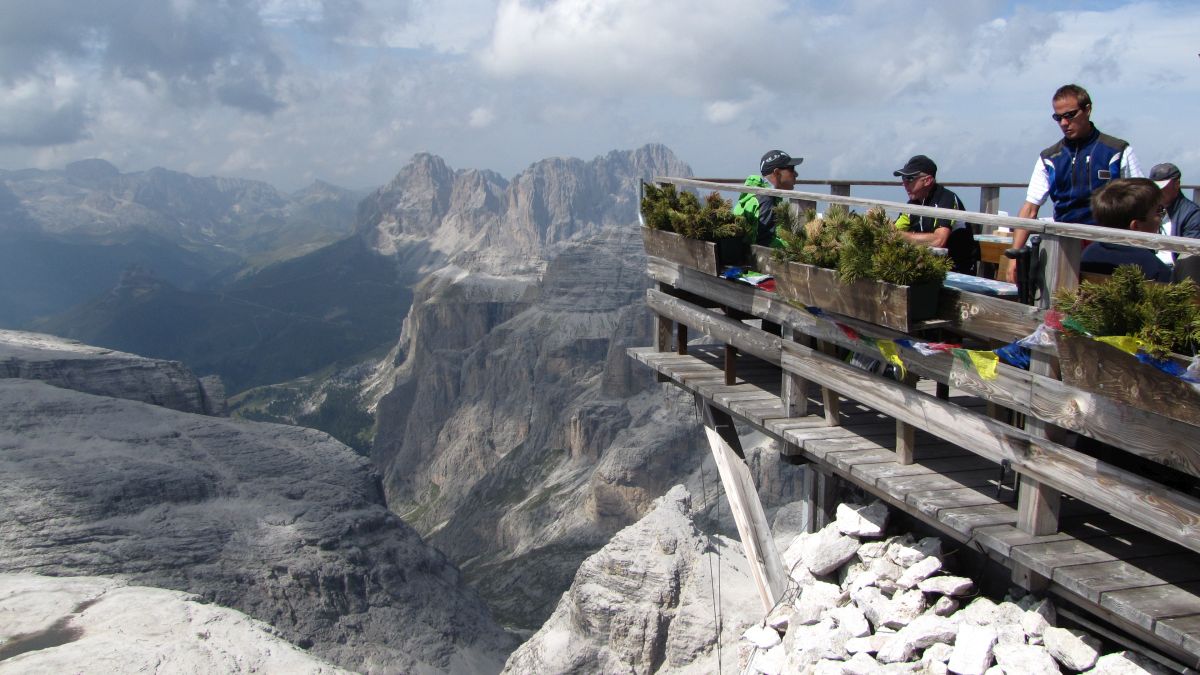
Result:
[[917, 164], [776, 159], [1161, 173]]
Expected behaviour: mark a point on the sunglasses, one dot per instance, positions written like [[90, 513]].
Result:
[[912, 179], [1069, 115]]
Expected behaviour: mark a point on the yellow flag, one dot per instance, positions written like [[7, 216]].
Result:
[[890, 354], [1126, 343], [984, 362]]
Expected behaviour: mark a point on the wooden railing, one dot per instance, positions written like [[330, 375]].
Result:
[[989, 192], [1046, 465]]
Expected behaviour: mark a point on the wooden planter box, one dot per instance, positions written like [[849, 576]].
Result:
[[706, 256], [1102, 369], [896, 307]]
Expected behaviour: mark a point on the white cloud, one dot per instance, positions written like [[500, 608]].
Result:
[[727, 111], [481, 118], [611, 45]]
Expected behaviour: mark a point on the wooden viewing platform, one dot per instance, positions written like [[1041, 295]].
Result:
[[1119, 545]]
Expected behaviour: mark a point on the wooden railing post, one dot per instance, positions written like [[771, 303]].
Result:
[[793, 390], [663, 329], [1037, 505], [829, 397], [839, 189]]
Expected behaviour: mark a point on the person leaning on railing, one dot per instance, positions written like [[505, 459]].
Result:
[[919, 177], [1071, 169]]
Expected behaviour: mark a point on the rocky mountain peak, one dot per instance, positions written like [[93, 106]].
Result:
[[91, 172]]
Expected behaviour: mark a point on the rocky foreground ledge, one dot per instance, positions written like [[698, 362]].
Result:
[[99, 625], [858, 603], [281, 523]]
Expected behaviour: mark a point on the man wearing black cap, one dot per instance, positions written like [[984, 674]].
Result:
[[776, 169], [919, 176], [1183, 216]]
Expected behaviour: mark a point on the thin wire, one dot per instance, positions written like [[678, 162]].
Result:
[[715, 593]]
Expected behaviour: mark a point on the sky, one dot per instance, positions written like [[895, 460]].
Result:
[[346, 91]]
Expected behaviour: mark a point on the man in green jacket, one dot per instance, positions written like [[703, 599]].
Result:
[[776, 169]]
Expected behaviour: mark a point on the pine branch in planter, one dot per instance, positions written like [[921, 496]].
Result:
[[1165, 316], [665, 208]]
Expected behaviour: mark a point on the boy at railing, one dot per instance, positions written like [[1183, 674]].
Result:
[[1126, 204]]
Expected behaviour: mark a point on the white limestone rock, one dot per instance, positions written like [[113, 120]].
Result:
[[945, 606], [981, 611], [862, 521], [768, 661], [905, 552], [903, 609], [1025, 659], [821, 552], [1074, 649], [851, 619], [873, 604], [921, 633], [869, 550], [861, 664], [868, 644], [921, 571], [801, 576], [815, 600], [947, 585], [763, 637], [973, 646], [1126, 663], [806, 645], [1039, 616], [938, 651], [94, 624]]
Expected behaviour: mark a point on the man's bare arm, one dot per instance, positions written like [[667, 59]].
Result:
[[936, 239], [1020, 236]]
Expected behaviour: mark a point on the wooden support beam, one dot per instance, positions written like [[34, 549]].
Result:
[[730, 365], [766, 565], [793, 390], [829, 397], [906, 434], [682, 338]]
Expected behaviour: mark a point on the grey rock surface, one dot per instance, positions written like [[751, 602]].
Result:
[[281, 523], [94, 624], [643, 603], [96, 370]]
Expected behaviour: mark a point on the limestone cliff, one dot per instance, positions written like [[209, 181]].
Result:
[[515, 432], [282, 523]]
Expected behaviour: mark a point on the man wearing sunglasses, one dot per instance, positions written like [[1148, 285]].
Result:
[[1069, 171], [919, 177]]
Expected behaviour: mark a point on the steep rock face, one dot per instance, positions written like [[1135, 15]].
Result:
[[95, 370], [281, 523], [646, 602], [93, 624], [484, 223]]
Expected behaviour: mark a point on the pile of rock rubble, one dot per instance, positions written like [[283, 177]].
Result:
[[861, 603]]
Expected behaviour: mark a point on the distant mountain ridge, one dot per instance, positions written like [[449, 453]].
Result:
[[92, 199], [67, 235]]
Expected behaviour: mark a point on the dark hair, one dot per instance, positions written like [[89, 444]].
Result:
[[1123, 201], [1079, 93]]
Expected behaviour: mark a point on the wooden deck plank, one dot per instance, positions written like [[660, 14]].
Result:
[[1146, 605], [1092, 580], [931, 502], [966, 520], [1181, 631], [903, 485], [1045, 557]]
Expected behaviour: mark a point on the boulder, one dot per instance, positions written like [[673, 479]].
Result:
[[947, 585], [862, 521], [1025, 659], [919, 572], [972, 653], [1073, 648]]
